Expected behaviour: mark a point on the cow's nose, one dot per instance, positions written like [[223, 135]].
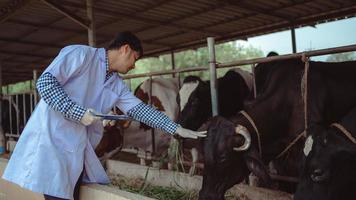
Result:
[[319, 175]]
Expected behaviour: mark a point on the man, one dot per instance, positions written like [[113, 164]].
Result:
[[56, 148]]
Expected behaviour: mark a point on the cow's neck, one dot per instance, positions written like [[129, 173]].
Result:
[[271, 127]]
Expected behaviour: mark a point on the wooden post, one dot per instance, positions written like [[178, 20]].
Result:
[[35, 94], [91, 29]]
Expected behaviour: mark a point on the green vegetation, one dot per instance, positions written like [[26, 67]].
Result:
[[140, 186], [17, 87], [340, 57], [225, 52]]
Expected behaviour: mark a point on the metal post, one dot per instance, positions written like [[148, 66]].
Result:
[[24, 108], [10, 111], [152, 130], [1, 100], [34, 86], [91, 29], [294, 44], [17, 114], [213, 82], [254, 81], [129, 83], [1, 103], [31, 102], [173, 63]]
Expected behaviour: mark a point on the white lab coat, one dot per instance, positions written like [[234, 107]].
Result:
[[52, 149]]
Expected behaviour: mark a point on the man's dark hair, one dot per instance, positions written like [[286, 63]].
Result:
[[126, 37]]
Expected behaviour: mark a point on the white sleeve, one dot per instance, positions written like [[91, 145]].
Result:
[[127, 100], [71, 61]]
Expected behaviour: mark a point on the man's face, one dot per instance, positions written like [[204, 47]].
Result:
[[123, 60]]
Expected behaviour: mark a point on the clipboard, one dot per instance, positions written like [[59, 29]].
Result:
[[113, 117]]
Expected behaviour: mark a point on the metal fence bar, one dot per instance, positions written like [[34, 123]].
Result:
[[289, 56], [24, 108], [34, 86], [31, 102], [10, 111], [17, 115], [254, 80], [165, 72], [12, 135], [150, 102]]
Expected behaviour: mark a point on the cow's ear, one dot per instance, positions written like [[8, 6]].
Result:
[[256, 166]]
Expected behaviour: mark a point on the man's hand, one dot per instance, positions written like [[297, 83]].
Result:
[[89, 117], [186, 133]]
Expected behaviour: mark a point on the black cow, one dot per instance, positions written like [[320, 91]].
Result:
[[278, 113], [195, 100], [329, 164]]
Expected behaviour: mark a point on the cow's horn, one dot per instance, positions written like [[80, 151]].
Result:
[[244, 132]]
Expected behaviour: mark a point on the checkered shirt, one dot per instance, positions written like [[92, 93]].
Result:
[[53, 94], [108, 73], [152, 117]]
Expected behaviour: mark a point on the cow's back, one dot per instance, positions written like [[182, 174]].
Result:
[[331, 90]]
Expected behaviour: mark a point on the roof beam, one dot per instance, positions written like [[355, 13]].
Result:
[[49, 45], [10, 8], [127, 15], [273, 27], [82, 22], [237, 18], [156, 22], [25, 54], [261, 11], [44, 26], [24, 62], [179, 18]]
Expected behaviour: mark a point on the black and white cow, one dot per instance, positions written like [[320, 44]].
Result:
[[329, 163], [195, 100], [232, 148]]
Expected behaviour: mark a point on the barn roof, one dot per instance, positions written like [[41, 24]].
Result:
[[33, 31]]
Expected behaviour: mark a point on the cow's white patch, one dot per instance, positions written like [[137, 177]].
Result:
[[308, 145], [185, 92]]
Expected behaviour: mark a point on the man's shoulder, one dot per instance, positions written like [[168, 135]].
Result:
[[80, 47]]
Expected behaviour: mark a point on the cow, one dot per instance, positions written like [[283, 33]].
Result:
[[329, 162], [195, 101], [164, 92], [112, 141], [135, 135], [245, 143]]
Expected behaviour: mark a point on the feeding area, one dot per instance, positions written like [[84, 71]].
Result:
[[277, 123]]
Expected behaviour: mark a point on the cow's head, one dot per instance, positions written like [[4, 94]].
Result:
[[329, 165], [229, 157], [193, 98], [276, 114]]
